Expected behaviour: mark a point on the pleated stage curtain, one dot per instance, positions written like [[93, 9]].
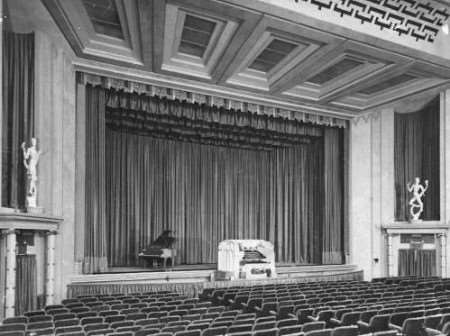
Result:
[[421, 263], [26, 286], [17, 114], [416, 149], [208, 174], [207, 194], [333, 205]]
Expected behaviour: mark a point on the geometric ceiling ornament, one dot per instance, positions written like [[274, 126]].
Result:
[[417, 18], [194, 42], [388, 84], [269, 58], [100, 29], [104, 17], [341, 69]]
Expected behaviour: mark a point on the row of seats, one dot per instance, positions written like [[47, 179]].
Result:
[[312, 309]]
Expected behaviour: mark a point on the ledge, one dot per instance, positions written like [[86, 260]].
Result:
[[27, 221], [424, 227]]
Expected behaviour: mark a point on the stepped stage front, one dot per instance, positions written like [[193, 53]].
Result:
[[191, 280]]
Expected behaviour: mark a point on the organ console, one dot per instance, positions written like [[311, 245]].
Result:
[[246, 259], [161, 248]]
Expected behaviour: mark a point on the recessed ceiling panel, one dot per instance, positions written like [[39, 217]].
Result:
[[334, 71], [104, 17], [388, 83], [196, 35], [272, 55]]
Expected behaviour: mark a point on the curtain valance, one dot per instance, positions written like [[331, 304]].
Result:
[[170, 93], [181, 120]]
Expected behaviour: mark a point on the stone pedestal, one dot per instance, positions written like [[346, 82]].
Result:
[[393, 243], [9, 224]]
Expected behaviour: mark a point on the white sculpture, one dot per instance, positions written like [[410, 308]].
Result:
[[416, 204], [30, 160]]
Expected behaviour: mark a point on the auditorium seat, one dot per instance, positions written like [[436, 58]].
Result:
[[16, 320], [346, 331], [385, 333], [132, 329], [69, 329], [415, 327], [67, 323], [309, 326], [34, 313], [376, 323], [95, 326], [264, 325], [245, 333], [324, 332], [179, 322], [99, 332], [240, 328], [288, 330], [367, 315], [286, 322], [189, 333], [40, 318], [397, 319], [86, 314], [199, 326], [266, 332], [146, 332], [211, 331], [12, 333], [304, 314]]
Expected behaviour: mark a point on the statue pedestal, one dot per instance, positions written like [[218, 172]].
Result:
[[416, 221], [35, 210], [423, 235]]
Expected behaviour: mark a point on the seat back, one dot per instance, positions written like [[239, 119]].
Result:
[[346, 331], [379, 323]]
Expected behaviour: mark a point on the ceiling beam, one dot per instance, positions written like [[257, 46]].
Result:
[[385, 73], [312, 65], [145, 11]]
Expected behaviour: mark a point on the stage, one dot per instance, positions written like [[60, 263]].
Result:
[[190, 280]]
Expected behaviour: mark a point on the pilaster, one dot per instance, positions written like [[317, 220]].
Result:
[[10, 290], [50, 269]]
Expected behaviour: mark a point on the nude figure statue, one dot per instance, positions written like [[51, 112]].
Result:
[[416, 204]]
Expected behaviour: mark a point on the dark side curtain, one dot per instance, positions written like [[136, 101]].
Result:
[[417, 155], [17, 115], [26, 285], [95, 218], [413, 262]]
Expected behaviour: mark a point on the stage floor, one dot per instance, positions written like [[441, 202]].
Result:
[[191, 281]]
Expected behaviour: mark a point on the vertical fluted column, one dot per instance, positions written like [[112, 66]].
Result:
[[50, 268], [443, 250], [390, 256], [10, 292]]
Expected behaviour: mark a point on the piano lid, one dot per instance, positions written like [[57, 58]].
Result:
[[165, 240]]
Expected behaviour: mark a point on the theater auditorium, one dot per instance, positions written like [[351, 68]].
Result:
[[225, 167]]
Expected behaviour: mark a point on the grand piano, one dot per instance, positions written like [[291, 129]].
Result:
[[160, 249]]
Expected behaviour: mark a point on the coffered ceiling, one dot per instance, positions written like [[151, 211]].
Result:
[[220, 43]]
